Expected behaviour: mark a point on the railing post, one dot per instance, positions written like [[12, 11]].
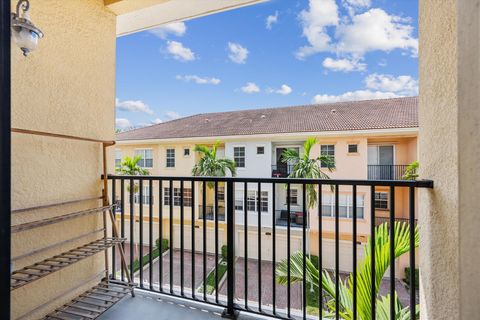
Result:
[[230, 311]]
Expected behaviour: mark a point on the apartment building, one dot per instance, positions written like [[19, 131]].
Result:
[[372, 140]]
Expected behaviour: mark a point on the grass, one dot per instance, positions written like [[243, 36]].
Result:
[[155, 253], [210, 283]]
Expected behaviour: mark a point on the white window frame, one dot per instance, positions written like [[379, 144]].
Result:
[[293, 197], [256, 150], [348, 148], [323, 154], [189, 152], [244, 156], [145, 196], [386, 200], [167, 158], [187, 197], [143, 153], [328, 200], [252, 195], [239, 205]]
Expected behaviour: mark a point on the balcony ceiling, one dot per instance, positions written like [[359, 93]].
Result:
[[138, 15]]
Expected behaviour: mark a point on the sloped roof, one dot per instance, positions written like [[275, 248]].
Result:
[[340, 116]]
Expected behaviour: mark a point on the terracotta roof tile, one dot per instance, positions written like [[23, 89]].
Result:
[[341, 116]]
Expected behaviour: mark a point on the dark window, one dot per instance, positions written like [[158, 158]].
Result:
[[260, 150], [352, 148], [381, 200], [186, 152], [170, 158], [187, 197], [239, 156]]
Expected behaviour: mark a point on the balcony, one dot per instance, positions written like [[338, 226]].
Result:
[[215, 270], [281, 170], [386, 172]]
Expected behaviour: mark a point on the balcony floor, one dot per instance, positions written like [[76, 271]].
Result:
[[150, 306]]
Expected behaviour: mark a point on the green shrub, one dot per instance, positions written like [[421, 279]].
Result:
[[221, 269], [224, 252], [164, 244], [407, 277], [155, 253]]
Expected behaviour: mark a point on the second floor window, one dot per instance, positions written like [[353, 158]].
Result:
[[239, 156], [294, 197], [170, 158], [329, 151], [118, 158], [147, 158], [187, 197], [381, 200], [252, 201], [345, 208]]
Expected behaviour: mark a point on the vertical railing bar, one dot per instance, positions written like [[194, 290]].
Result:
[[288, 250], [259, 208], [230, 311], [140, 230], [160, 234], [193, 238], [171, 235], [122, 221], [392, 252], [304, 242], [204, 212], [354, 245], [320, 253], [181, 238], [337, 255], [216, 239], [132, 221], [150, 233], [114, 212], [373, 288], [412, 252], [274, 263], [245, 213]]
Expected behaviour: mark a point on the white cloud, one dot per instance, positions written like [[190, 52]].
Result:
[[353, 35], [133, 106], [179, 52], [315, 20], [157, 121], [198, 80], [238, 54], [172, 115], [402, 84], [175, 28], [250, 87], [284, 90], [271, 19], [354, 96], [122, 123], [345, 65]]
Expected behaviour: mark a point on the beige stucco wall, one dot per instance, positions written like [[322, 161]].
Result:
[[66, 86]]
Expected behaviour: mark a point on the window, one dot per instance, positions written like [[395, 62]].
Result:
[[252, 201], [294, 197], [239, 156], [147, 158], [118, 158], [170, 158], [186, 152], [260, 150], [239, 200], [353, 148], [187, 197], [145, 196], [381, 200], [345, 207], [221, 194], [329, 151]]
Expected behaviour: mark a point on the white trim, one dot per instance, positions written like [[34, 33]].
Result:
[[293, 135]]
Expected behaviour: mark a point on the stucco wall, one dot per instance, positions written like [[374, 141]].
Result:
[[66, 86]]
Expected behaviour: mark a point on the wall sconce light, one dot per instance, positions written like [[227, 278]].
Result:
[[24, 32]]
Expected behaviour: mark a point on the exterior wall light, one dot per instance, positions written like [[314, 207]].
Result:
[[24, 32]]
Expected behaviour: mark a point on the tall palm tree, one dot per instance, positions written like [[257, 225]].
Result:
[[364, 280], [306, 167], [129, 167], [211, 166]]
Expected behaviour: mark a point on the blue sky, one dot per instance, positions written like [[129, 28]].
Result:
[[277, 53]]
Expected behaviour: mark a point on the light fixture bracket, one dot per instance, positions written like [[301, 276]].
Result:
[[20, 21]]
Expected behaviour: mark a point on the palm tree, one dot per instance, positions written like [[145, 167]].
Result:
[[129, 167], [364, 281], [211, 166], [305, 167]]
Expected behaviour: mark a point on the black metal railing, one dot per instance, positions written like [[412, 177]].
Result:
[[281, 170], [194, 244], [386, 172]]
